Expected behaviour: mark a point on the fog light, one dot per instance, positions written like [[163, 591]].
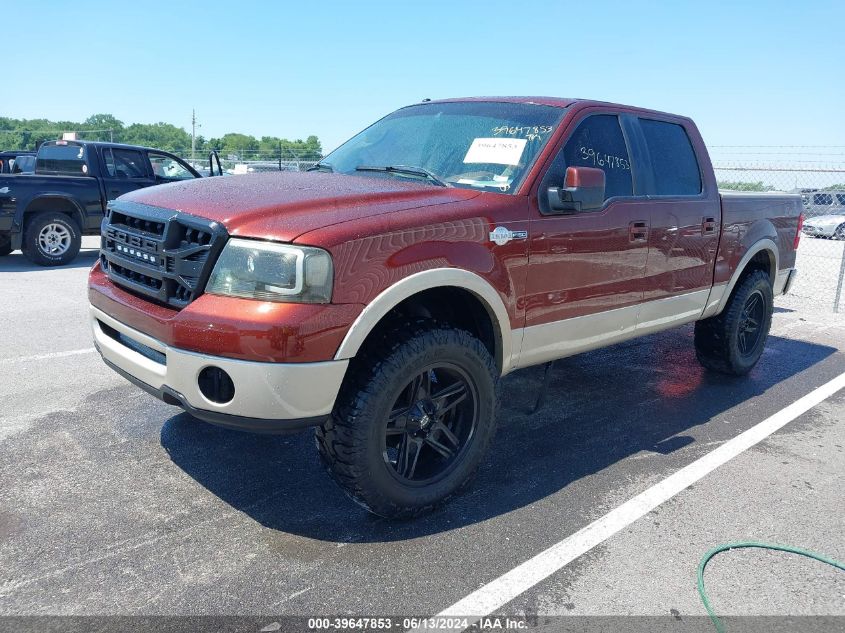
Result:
[[216, 385]]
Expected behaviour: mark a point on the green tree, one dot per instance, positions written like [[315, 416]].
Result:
[[27, 134], [105, 125], [160, 135], [740, 185], [243, 145]]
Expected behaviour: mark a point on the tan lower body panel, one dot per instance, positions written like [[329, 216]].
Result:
[[542, 343]]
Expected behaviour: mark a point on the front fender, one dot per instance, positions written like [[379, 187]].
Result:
[[389, 298]]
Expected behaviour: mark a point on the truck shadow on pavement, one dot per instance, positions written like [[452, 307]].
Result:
[[16, 262], [601, 408]]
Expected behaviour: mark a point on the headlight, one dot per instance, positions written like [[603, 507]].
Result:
[[272, 272]]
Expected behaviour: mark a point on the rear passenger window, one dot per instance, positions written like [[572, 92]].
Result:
[[124, 163], [823, 199], [598, 142], [673, 160]]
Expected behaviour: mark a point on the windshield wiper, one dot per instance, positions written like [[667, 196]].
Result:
[[320, 167], [406, 169]]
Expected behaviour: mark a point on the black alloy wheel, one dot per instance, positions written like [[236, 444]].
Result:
[[430, 425], [733, 341], [751, 324], [413, 419]]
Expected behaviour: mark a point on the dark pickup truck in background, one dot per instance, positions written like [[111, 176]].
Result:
[[45, 213]]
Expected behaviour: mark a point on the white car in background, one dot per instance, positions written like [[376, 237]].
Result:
[[829, 226]]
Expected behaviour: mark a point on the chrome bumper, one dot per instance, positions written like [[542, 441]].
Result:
[[268, 397]]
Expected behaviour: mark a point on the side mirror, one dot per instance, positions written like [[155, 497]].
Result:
[[583, 190]]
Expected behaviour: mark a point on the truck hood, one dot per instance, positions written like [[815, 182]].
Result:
[[283, 205]]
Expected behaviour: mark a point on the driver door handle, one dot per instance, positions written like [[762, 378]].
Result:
[[638, 231]]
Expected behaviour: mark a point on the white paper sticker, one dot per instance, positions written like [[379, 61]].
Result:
[[500, 151]]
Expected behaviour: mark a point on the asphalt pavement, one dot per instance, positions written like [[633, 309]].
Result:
[[113, 503]]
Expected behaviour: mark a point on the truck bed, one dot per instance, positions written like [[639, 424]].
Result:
[[749, 217]]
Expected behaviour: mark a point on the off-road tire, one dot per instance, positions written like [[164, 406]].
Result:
[[717, 344], [32, 247], [5, 245], [350, 443]]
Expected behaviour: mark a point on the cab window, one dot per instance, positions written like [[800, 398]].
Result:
[[62, 158], [168, 168], [673, 160], [597, 142], [124, 163]]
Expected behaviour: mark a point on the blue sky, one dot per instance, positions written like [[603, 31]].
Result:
[[750, 73]]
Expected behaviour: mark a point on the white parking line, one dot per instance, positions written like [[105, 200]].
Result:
[[24, 359], [494, 595]]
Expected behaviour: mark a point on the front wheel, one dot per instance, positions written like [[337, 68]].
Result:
[[51, 239], [733, 341], [413, 419], [839, 234]]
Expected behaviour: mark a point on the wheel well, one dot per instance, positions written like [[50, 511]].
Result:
[[763, 260], [448, 305], [56, 205]]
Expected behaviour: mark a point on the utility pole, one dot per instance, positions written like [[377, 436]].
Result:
[[193, 135]]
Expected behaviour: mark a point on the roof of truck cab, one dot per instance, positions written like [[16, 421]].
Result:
[[105, 144], [558, 102]]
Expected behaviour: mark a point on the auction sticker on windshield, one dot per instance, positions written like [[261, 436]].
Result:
[[499, 151]]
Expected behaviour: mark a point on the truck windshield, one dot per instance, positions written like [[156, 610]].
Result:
[[472, 144], [67, 159]]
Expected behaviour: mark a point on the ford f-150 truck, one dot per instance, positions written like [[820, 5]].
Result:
[[46, 213], [380, 297]]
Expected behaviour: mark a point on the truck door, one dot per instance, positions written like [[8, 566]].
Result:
[[586, 268], [124, 170], [685, 223]]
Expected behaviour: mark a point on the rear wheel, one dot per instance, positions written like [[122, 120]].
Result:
[[839, 233], [413, 419], [51, 239], [733, 341]]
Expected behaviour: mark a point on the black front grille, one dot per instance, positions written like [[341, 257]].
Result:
[[164, 255]]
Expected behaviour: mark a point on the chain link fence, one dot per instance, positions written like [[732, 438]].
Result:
[[820, 261], [248, 163]]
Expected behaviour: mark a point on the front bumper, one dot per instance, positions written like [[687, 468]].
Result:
[[268, 397]]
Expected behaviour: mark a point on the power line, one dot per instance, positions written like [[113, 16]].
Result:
[[782, 146], [53, 131], [789, 169], [780, 153]]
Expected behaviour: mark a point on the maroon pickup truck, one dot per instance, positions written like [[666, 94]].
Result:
[[380, 297]]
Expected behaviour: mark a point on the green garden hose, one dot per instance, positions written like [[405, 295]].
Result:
[[740, 544]]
